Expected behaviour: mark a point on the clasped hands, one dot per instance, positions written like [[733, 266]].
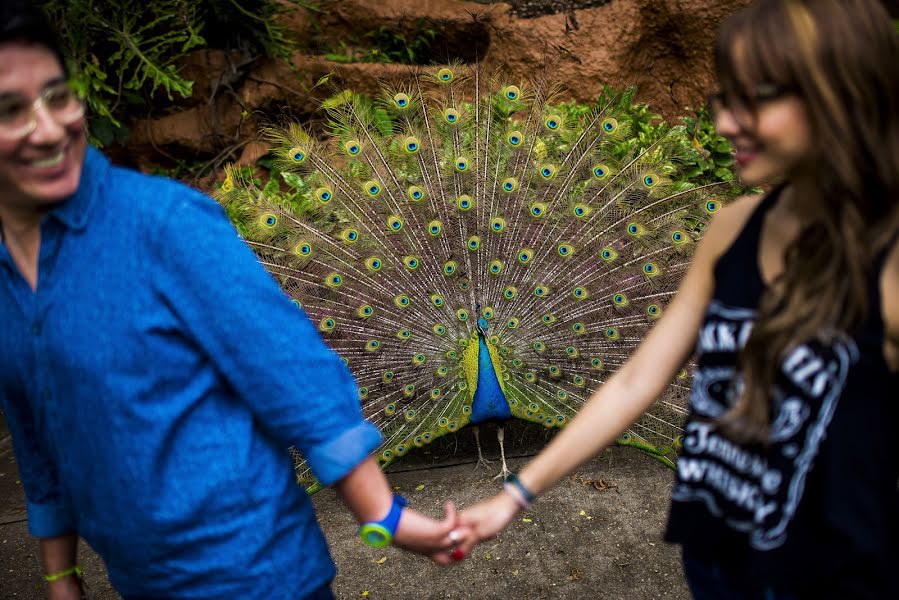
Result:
[[452, 539]]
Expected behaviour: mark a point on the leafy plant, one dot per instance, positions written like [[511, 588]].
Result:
[[388, 45], [123, 52]]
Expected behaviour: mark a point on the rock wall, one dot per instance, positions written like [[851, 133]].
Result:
[[662, 46]]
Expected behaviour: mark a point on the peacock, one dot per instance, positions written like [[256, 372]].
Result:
[[476, 250]]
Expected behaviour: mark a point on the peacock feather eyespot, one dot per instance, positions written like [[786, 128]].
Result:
[[539, 346], [517, 362], [635, 229], [525, 255], [352, 147], [296, 303], [608, 254], [651, 269], [452, 426], [415, 193], [581, 211], [409, 389], [349, 235], [372, 188], [461, 164], [464, 285], [297, 154], [580, 293], [512, 323], [401, 301], [600, 171], [511, 92], [365, 311], [394, 223], [488, 314], [404, 334], [654, 311], [439, 329], [552, 122], [514, 138], [462, 314], [373, 263], [442, 371], [620, 300], [679, 237], [437, 300], [387, 455], [609, 125], [510, 184], [419, 359], [443, 422], [560, 420], [530, 376], [495, 267], [372, 345], [548, 172], [561, 395], [418, 441], [555, 372], [650, 180], [565, 250], [538, 209], [474, 242], [682, 374], [411, 262], [548, 319], [579, 328], [409, 415], [435, 393], [449, 268], [510, 292], [541, 291], [333, 280], [464, 202], [363, 392], [451, 116], [578, 381], [612, 333], [451, 354], [434, 228], [445, 75], [596, 363], [401, 100], [712, 206], [411, 144], [327, 324], [387, 376], [268, 220], [497, 224], [303, 249], [323, 194], [572, 352]]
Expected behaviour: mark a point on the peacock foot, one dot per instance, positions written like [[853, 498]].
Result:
[[504, 473], [483, 462]]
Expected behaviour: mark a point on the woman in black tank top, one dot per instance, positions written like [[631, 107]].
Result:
[[787, 477]]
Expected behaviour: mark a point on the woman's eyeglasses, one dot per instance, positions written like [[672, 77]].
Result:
[[18, 115], [746, 104]]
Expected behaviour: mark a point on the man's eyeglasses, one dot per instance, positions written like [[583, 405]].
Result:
[[746, 104], [18, 115]]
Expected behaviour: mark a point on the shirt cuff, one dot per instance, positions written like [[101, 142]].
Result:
[[334, 459], [50, 520]]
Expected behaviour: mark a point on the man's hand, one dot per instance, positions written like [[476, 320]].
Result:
[[434, 539]]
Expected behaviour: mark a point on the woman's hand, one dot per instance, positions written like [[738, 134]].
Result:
[[487, 518]]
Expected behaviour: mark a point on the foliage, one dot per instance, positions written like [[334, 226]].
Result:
[[123, 52], [387, 45]]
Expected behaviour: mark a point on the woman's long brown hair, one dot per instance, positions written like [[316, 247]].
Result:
[[841, 57]]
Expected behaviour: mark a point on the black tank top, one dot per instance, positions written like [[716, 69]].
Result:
[[816, 510]]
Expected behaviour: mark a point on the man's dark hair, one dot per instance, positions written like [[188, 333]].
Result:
[[22, 20]]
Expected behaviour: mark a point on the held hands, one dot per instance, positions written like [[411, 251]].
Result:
[[434, 539], [487, 519]]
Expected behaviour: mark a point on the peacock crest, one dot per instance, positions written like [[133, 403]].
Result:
[[467, 232]]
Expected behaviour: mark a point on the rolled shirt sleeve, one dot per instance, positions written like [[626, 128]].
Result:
[[267, 349], [49, 512]]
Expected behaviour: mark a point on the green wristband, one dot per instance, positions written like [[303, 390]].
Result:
[[76, 571]]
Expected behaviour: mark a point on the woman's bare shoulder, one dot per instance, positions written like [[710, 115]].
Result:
[[727, 223], [889, 289]]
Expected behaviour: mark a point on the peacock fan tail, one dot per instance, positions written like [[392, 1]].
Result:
[[464, 231]]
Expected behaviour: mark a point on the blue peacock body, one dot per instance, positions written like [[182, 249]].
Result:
[[476, 252]]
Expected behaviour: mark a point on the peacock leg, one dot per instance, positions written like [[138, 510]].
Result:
[[482, 462], [505, 472]]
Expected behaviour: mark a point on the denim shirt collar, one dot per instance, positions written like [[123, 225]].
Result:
[[73, 212]]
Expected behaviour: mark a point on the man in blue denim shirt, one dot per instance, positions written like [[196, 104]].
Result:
[[153, 374]]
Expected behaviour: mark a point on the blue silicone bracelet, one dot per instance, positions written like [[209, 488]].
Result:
[[528, 494]]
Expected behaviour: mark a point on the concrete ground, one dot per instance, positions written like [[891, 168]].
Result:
[[595, 535]]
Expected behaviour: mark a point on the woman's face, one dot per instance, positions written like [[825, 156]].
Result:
[[770, 142], [42, 138]]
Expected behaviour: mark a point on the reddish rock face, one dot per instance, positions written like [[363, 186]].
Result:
[[662, 46]]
